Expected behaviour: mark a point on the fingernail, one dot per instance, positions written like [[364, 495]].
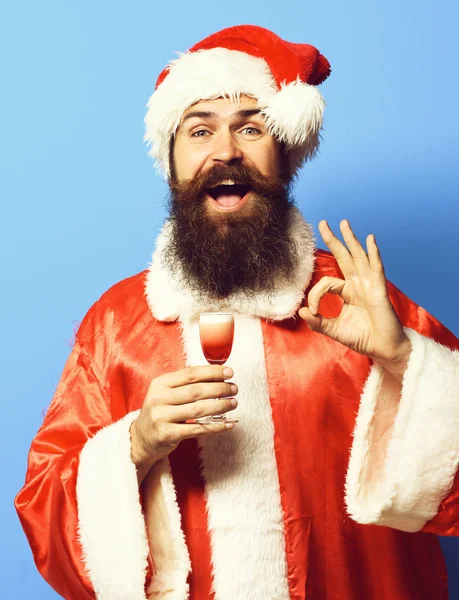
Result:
[[233, 388], [229, 425], [227, 372], [233, 402]]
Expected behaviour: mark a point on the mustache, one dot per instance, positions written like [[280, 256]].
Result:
[[239, 173]]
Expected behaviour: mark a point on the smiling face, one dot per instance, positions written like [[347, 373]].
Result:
[[229, 203], [215, 134]]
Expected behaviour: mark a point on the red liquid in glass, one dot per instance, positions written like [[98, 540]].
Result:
[[217, 341]]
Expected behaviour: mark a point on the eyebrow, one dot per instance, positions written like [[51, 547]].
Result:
[[205, 114]]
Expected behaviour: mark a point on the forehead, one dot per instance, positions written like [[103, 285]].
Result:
[[222, 107]]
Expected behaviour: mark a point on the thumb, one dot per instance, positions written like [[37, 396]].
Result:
[[315, 322]]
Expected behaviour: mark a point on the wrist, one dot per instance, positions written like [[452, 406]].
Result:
[[139, 456], [398, 365]]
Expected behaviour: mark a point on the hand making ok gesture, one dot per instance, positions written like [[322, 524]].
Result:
[[368, 322]]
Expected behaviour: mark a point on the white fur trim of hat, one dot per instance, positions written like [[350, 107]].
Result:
[[243, 60]]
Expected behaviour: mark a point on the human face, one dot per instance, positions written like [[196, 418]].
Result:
[[220, 132]]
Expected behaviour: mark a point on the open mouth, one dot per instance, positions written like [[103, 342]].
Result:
[[228, 195]]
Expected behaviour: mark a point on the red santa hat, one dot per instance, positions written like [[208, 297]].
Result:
[[243, 60]]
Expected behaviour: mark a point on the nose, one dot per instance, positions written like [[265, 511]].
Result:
[[226, 149]]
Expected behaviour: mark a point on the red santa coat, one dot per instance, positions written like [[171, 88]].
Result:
[[98, 547]]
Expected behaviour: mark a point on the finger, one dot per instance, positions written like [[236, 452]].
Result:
[[355, 247], [200, 391], [201, 429], [338, 249], [318, 323], [202, 408], [312, 320], [374, 256], [195, 375], [331, 285]]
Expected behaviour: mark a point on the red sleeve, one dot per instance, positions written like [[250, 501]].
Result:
[[446, 521], [47, 504], [415, 317]]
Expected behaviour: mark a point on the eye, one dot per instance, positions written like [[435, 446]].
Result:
[[251, 130], [200, 133]]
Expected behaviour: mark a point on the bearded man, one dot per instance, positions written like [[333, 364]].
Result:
[[341, 467]]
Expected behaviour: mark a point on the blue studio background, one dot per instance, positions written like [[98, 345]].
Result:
[[81, 203]]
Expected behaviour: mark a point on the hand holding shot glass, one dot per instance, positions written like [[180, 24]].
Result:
[[216, 332]]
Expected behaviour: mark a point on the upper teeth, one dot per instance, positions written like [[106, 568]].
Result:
[[226, 182]]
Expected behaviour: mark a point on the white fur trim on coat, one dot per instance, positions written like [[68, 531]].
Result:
[[423, 452], [294, 113], [111, 524], [170, 585], [169, 299], [241, 480]]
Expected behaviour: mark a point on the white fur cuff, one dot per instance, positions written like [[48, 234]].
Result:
[[111, 524], [423, 452]]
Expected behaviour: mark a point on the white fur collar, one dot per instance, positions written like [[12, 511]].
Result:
[[170, 300]]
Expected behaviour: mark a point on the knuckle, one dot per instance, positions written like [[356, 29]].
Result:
[[153, 399], [199, 430], [317, 289], [151, 387], [193, 393], [155, 415], [196, 411], [153, 395], [158, 419], [159, 434], [166, 436], [191, 374]]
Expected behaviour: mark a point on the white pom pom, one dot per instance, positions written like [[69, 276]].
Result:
[[294, 116]]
